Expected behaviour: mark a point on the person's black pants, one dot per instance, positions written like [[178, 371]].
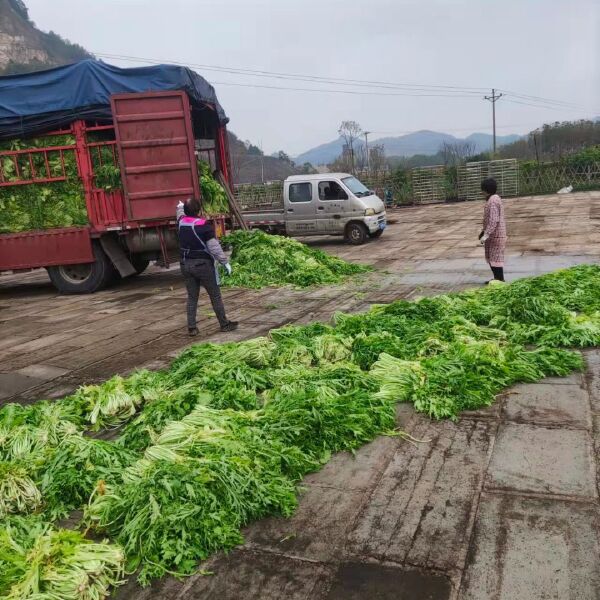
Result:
[[498, 273], [201, 273]]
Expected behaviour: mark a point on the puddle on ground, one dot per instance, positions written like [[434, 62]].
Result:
[[359, 581]]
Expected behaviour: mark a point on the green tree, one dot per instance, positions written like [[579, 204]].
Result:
[[20, 8], [253, 150], [307, 169], [554, 141], [284, 157]]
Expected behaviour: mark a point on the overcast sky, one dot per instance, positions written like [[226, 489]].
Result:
[[544, 48]]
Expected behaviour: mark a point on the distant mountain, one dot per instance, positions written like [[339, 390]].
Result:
[[420, 142], [485, 141], [321, 155]]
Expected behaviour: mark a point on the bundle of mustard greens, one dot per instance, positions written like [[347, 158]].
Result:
[[214, 197], [40, 561], [225, 434], [260, 260]]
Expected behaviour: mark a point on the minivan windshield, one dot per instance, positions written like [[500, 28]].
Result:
[[356, 187]]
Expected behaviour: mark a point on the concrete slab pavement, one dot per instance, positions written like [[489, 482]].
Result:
[[502, 504], [534, 549]]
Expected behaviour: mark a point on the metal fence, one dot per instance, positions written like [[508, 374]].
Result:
[[424, 185]]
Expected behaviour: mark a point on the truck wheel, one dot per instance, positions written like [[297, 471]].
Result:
[[83, 278], [377, 234], [356, 234], [139, 263]]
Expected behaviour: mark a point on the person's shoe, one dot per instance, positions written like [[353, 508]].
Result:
[[229, 326], [193, 331]]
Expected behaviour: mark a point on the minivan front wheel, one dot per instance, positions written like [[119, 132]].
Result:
[[356, 234]]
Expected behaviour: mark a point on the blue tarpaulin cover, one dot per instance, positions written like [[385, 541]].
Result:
[[34, 103]]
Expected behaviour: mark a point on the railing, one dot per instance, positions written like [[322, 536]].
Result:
[[44, 165], [424, 185], [107, 203], [546, 178]]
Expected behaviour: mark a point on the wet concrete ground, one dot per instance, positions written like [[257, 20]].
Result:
[[501, 505]]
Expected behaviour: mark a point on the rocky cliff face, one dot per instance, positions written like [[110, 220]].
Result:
[[23, 47], [19, 40]]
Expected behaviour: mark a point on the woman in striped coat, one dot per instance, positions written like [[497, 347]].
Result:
[[493, 235]]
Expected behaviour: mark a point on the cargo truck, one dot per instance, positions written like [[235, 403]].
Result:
[[148, 124], [323, 204]]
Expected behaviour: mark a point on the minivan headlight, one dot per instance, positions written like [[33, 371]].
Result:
[[369, 212]]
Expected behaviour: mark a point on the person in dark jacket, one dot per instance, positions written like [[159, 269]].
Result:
[[199, 251]]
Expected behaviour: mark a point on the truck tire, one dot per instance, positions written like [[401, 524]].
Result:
[[356, 234], [377, 234], [140, 263], [83, 278]]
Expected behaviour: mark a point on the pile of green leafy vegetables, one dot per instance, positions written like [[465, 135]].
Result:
[[38, 560], [260, 260], [226, 433], [214, 197], [40, 205]]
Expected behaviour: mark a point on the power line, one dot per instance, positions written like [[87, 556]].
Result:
[[300, 77], [361, 93], [328, 91], [539, 105], [451, 90], [541, 99], [448, 90]]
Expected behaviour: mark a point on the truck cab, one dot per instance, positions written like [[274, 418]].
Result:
[[332, 204]]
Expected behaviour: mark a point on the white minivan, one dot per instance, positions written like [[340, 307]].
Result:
[[324, 204]]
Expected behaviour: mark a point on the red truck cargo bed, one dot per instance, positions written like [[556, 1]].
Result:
[[46, 248]]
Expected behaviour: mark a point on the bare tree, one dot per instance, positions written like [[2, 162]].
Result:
[[377, 158], [342, 164], [360, 158], [455, 153], [350, 131]]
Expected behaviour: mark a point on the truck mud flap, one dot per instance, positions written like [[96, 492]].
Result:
[[117, 256]]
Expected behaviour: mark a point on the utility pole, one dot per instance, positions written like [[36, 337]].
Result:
[[537, 155], [262, 163], [493, 98], [367, 151]]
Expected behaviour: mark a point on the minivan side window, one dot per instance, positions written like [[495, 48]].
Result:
[[331, 190], [300, 192]]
